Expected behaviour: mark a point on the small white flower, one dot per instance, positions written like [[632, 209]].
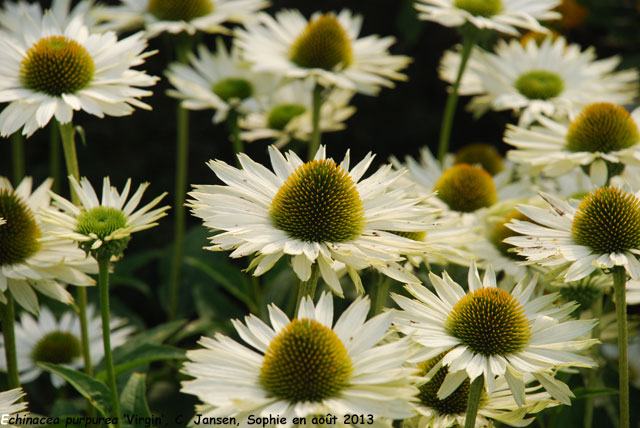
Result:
[[108, 222], [326, 48], [50, 69], [490, 332], [602, 131], [59, 341], [304, 367], [602, 232], [500, 15], [286, 113], [220, 81], [551, 79], [32, 257], [8, 403], [173, 16], [318, 212]]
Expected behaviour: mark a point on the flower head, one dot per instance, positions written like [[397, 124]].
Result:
[[177, 16], [219, 81], [305, 366], [104, 226], [32, 256], [318, 212], [57, 341], [601, 232], [52, 69], [490, 332], [603, 133], [286, 113], [326, 48], [552, 79], [500, 15]]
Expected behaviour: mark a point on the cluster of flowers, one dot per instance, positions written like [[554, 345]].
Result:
[[556, 222]]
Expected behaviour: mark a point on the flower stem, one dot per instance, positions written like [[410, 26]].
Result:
[[234, 130], [103, 285], [592, 376], [183, 47], [18, 162], [316, 104], [54, 157], [182, 158], [9, 333], [475, 392], [379, 294], [67, 136], [469, 37], [619, 284], [308, 288]]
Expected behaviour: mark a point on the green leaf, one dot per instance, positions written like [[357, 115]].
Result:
[[144, 354], [155, 335], [92, 389], [594, 392], [133, 402], [228, 277]]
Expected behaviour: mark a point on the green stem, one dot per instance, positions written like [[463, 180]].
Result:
[[67, 136], [183, 44], [103, 285], [54, 157], [379, 294], [592, 376], [469, 37], [308, 288], [18, 161], [8, 330], [316, 104], [234, 130], [182, 157], [619, 284], [475, 392]]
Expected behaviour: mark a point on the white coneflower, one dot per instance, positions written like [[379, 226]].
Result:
[[552, 79], [32, 258], [326, 48], [319, 212], [304, 367], [490, 332], [177, 16], [51, 70], [8, 405], [500, 15], [50, 340]]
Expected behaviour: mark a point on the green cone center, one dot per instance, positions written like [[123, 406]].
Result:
[[466, 188], [56, 65], [481, 154], [490, 321], [180, 10], [280, 115], [602, 127], [19, 235], [57, 347], [100, 221], [233, 88], [305, 362], [324, 43], [608, 221], [484, 8], [454, 404], [319, 202], [539, 84]]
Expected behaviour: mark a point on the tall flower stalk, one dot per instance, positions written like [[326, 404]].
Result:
[[469, 38], [316, 134], [619, 284]]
